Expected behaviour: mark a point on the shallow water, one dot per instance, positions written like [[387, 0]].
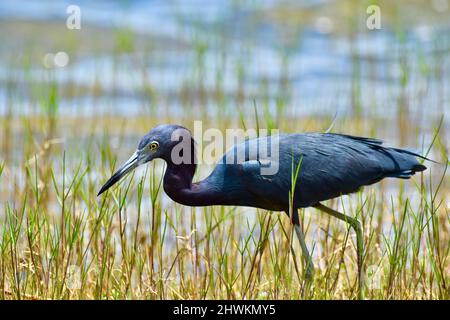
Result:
[[316, 77]]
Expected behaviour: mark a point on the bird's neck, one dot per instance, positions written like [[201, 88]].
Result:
[[179, 186]]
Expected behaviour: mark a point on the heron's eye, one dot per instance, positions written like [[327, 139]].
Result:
[[154, 145]]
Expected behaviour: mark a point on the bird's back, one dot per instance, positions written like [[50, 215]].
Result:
[[330, 165]]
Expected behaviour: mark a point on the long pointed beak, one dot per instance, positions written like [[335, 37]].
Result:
[[128, 166]]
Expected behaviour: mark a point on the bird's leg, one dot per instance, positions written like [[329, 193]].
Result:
[[309, 266], [356, 225]]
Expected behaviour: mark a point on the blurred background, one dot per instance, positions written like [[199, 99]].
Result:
[[177, 58]]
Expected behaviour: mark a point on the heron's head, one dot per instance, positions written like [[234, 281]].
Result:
[[157, 143]]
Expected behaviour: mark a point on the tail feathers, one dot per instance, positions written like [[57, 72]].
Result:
[[406, 174], [404, 164]]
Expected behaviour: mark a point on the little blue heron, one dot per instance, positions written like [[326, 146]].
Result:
[[330, 165]]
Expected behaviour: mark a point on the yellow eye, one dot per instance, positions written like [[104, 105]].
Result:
[[154, 145]]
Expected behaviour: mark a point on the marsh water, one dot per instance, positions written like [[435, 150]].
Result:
[[240, 46]]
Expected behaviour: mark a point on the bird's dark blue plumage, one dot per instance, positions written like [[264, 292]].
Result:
[[331, 165]]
